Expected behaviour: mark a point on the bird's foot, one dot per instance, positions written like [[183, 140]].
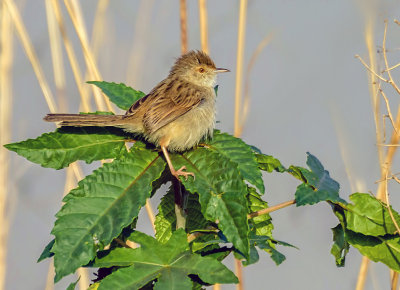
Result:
[[181, 172]]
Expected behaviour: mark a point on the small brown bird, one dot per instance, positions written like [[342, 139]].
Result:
[[175, 115]]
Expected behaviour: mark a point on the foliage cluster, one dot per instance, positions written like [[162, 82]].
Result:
[[224, 207]]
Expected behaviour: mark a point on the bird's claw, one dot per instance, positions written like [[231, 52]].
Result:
[[181, 172]]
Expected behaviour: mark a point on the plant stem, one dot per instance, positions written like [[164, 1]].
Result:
[[271, 209], [179, 204]]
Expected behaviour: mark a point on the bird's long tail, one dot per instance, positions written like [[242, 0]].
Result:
[[81, 120]]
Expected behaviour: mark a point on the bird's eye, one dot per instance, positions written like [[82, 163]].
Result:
[[201, 70]]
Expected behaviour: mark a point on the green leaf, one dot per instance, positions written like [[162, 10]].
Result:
[[269, 163], [222, 192], [165, 221], [101, 206], [262, 223], [384, 249], [340, 246], [239, 152], [319, 185], [170, 263], [73, 285], [47, 253], [268, 245], [369, 216], [120, 94], [60, 148]]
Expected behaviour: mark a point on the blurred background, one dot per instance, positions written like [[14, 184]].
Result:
[[301, 86]]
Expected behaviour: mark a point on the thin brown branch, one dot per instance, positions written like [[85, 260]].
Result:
[[388, 206], [391, 81], [370, 69], [388, 110], [122, 243], [271, 209], [183, 20]]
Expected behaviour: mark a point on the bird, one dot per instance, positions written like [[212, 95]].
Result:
[[177, 113]]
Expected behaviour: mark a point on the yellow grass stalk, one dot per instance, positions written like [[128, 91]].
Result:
[[75, 13], [137, 56], [55, 48], [85, 102], [183, 20], [97, 37], [239, 65], [31, 54], [6, 60], [203, 25]]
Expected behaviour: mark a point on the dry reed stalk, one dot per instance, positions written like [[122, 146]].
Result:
[[85, 102], [239, 66], [362, 274], [75, 14], [56, 55], [394, 279], [203, 25], [137, 56], [50, 277], [217, 287], [238, 100], [97, 36], [31, 54], [6, 60], [150, 213], [183, 20]]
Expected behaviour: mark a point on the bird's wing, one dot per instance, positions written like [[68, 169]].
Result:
[[170, 106]]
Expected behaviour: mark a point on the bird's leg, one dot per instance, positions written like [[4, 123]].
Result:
[[180, 171]]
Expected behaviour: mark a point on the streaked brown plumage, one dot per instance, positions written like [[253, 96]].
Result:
[[175, 115]]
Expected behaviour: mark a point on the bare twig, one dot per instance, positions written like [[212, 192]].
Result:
[[271, 209]]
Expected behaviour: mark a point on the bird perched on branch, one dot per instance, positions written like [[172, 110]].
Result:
[[175, 115]]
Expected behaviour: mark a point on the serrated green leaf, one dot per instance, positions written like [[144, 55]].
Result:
[[60, 148], [340, 246], [120, 94], [240, 153], [222, 192], [165, 221], [385, 249], [262, 223], [170, 263], [268, 245], [73, 285], [47, 253], [102, 205], [369, 216], [319, 185], [269, 163]]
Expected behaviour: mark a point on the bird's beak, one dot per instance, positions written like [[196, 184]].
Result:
[[221, 70]]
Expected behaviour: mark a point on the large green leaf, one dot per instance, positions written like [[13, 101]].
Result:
[[120, 94], [165, 221], [60, 148], [170, 263], [239, 152], [319, 186], [101, 206], [262, 223], [369, 216], [222, 192], [269, 163], [385, 249]]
